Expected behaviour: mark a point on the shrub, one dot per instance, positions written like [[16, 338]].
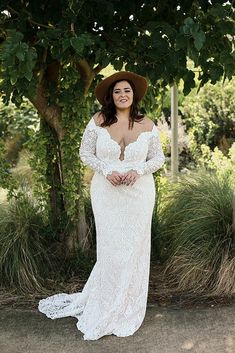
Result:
[[196, 223], [158, 242], [209, 117], [24, 239], [218, 162]]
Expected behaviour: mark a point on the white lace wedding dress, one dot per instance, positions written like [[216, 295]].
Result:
[[114, 298]]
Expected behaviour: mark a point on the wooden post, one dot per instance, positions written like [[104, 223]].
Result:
[[174, 133]]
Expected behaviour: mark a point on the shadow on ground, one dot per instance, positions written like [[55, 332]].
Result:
[[164, 330]]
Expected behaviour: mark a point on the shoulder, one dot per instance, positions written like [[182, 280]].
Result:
[[98, 118], [148, 123]]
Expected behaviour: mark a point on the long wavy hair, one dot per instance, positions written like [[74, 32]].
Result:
[[108, 110]]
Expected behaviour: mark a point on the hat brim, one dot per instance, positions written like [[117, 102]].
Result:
[[140, 83]]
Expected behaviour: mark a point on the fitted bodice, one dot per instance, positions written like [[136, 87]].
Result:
[[108, 150], [99, 150]]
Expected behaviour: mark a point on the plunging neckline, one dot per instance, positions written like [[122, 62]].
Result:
[[129, 144]]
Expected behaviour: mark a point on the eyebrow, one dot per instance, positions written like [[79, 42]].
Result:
[[118, 89]]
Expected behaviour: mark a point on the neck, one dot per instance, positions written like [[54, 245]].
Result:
[[123, 114]]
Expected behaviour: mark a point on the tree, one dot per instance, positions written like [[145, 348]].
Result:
[[52, 53], [209, 117]]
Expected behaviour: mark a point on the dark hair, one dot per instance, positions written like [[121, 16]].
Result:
[[108, 110]]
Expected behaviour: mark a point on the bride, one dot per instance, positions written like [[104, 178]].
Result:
[[123, 148]]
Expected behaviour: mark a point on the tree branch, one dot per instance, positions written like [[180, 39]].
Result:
[[50, 113], [29, 19], [87, 73]]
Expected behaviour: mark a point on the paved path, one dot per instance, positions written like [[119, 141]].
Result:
[[164, 330]]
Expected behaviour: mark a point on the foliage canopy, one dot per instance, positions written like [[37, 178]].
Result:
[[62, 39], [52, 52]]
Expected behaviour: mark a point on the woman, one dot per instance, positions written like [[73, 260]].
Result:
[[123, 148]]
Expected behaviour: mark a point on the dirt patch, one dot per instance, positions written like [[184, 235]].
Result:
[[159, 293]]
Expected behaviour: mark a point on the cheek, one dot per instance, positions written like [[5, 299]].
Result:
[[114, 98]]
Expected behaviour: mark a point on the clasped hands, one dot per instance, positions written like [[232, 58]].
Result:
[[128, 178]]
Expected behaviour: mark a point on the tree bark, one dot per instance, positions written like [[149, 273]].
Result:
[[53, 176], [50, 114]]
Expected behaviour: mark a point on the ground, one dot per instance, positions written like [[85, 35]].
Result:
[[164, 330], [159, 293], [174, 323]]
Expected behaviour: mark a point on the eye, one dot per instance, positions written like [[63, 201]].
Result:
[[127, 90]]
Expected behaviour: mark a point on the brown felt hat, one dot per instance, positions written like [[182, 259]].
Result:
[[139, 82]]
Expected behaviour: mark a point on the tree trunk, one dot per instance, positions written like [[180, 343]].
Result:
[[72, 234], [78, 236], [53, 176]]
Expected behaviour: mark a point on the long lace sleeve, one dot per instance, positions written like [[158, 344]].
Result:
[[87, 151], [155, 157]]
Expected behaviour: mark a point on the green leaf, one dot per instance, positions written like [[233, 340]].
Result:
[[87, 39], [188, 23], [199, 40], [66, 44], [218, 11], [13, 78], [118, 64], [31, 59], [53, 33], [28, 75], [78, 44], [22, 67], [189, 82], [216, 71], [20, 53], [14, 36], [181, 42]]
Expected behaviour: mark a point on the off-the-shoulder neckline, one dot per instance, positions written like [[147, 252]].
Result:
[[103, 128]]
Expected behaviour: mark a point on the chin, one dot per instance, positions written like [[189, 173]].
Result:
[[123, 106]]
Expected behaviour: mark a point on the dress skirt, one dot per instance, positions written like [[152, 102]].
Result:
[[114, 298]]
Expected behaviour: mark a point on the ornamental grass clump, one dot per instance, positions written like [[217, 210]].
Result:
[[24, 260], [196, 220]]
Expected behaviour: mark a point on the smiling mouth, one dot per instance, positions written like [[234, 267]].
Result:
[[123, 100]]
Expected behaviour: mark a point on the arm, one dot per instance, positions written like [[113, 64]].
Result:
[[155, 157], [87, 151]]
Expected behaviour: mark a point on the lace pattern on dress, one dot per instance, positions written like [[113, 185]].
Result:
[[155, 157], [87, 151]]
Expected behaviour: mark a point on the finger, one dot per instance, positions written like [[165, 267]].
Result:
[[133, 182], [127, 180], [118, 181], [114, 181]]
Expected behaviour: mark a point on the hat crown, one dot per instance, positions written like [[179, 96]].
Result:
[[138, 81]]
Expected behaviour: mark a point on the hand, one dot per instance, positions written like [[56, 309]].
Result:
[[130, 177], [115, 178]]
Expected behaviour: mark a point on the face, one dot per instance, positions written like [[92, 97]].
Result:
[[122, 95]]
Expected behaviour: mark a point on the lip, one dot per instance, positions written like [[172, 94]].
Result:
[[123, 100]]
